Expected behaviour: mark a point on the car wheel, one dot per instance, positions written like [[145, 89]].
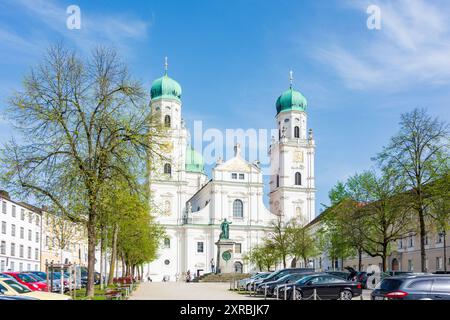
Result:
[[298, 295], [346, 295]]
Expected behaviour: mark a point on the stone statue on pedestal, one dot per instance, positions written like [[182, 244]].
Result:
[[225, 227]]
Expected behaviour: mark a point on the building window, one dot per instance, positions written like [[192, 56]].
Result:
[[439, 263], [298, 179], [46, 240], [3, 247], [411, 241], [13, 230], [2, 266], [37, 237], [13, 249], [30, 235], [20, 266], [400, 244], [4, 207], [167, 121], [22, 214], [21, 251], [167, 207], [234, 176], [166, 243], [410, 265], [36, 254], [13, 212], [200, 247], [22, 231], [427, 240], [238, 248], [241, 176], [238, 209], [3, 227], [298, 211], [37, 221], [30, 217], [167, 262], [440, 237], [29, 253], [12, 264], [168, 169], [278, 180], [296, 132]]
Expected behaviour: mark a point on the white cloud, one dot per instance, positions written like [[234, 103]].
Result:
[[96, 28], [412, 47]]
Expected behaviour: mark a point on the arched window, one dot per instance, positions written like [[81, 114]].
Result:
[[167, 243], [167, 121], [168, 169], [238, 209], [296, 132], [278, 180], [298, 179]]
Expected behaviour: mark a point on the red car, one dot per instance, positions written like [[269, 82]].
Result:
[[29, 281]]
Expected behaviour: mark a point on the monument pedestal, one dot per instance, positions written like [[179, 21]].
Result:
[[225, 256]]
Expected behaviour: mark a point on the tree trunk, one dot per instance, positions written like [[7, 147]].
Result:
[[101, 257], [423, 255], [112, 264], [91, 253], [124, 271], [445, 252], [359, 260]]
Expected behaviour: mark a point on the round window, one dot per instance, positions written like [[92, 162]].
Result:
[[167, 262]]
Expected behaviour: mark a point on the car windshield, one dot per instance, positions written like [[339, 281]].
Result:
[[35, 277], [17, 286], [390, 284], [25, 277], [303, 280], [6, 276]]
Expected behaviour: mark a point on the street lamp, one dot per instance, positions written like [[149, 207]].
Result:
[[443, 234]]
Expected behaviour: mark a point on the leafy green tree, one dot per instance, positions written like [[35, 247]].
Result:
[[84, 121], [416, 153], [301, 242], [278, 239]]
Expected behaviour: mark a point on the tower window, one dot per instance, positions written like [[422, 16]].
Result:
[[278, 180], [296, 132], [167, 243], [238, 209], [168, 169], [298, 179], [167, 121]]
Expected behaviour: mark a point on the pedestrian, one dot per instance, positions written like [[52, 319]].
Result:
[[188, 276], [213, 267]]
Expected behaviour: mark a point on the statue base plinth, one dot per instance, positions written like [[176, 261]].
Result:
[[225, 261]]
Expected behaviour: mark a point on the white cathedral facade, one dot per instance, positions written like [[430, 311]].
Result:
[[191, 205]]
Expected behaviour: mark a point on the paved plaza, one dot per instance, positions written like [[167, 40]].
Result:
[[195, 291]]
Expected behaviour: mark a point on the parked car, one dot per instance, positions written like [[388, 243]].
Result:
[[341, 274], [278, 274], [11, 287], [28, 281], [327, 287], [56, 282], [271, 285], [84, 277], [3, 297], [243, 283], [413, 287]]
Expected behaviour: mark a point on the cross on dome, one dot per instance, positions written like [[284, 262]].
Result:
[[166, 64], [291, 78]]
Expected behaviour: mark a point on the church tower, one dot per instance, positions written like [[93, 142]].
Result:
[[167, 175], [292, 186]]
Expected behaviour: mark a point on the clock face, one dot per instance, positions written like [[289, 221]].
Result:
[[298, 156]]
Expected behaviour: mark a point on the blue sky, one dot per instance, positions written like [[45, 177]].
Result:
[[232, 59]]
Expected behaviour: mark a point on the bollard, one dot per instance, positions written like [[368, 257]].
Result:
[[285, 291], [315, 294], [265, 291], [277, 289], [294, 292]]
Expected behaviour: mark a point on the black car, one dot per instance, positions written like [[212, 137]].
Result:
[[413, 287], [271, 285], [327, 287]]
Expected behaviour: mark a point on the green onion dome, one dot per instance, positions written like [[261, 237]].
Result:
[[194, 161], [165, 88], [291, 100]]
